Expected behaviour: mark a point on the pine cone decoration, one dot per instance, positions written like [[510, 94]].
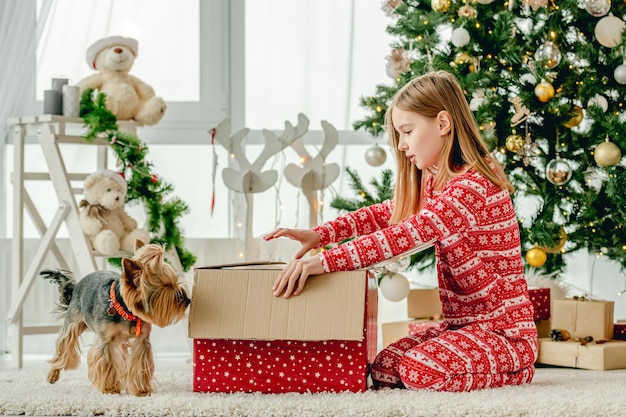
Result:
[[559, 335]]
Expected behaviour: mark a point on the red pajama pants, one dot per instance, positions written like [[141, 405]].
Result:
[[465, 359]]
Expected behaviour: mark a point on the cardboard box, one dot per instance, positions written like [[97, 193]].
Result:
[[540, 297], [583, 318], [247, 340], [424, 304], [609, 355], [395, 331]]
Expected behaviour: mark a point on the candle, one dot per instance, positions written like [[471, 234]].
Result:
[[58, 83], [71, 100], [52, 102]]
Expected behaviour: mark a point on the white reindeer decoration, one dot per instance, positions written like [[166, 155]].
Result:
[[314, 174], [249, 178]]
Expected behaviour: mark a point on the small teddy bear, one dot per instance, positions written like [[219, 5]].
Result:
[[127, 97], [103, 218]]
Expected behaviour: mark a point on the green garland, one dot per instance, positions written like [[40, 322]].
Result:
[[143, 185]]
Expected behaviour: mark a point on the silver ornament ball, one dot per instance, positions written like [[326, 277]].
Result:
[[558, 171], [620, 74], [597, 8], [375, 156], [548, 55]]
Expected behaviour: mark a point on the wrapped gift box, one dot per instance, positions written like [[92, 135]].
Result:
[[583, 318], [543, 328], [609, 355], [540, 297], [247, 340], [424, 303], [397, 330], [619, 330]]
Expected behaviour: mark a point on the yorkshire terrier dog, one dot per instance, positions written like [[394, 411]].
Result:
[[120, 310]]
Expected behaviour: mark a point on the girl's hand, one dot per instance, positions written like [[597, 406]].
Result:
[[307, 238], [291, 279]]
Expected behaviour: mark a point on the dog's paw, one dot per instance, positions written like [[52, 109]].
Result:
[[53, 375]]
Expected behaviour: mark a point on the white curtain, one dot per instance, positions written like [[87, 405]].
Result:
[[18, 39]]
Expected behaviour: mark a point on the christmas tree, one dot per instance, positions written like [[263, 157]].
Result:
[[546, 81]]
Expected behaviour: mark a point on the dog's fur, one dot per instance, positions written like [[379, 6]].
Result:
[[120, 360]]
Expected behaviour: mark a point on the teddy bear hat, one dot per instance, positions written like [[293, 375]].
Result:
[[117, 176], [100, 44]]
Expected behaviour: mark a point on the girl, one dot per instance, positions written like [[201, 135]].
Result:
[[448, 188]]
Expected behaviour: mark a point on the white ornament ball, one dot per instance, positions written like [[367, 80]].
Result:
[[528, 78], [391, 70], [460, 37], [394, 287], [609, 30], [375, 156], [600, 101], [620, 74], [485, 1]]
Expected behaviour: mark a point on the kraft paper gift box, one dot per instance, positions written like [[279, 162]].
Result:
[[394, 331], [540, 298], [605, 356], [583, 318], [424, 303], [247, 340]]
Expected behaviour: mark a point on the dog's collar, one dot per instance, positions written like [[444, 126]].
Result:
[[120, 310]]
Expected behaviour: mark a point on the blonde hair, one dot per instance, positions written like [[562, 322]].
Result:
[[428, 95]]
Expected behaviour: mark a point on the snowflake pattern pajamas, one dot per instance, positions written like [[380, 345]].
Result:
[[488, 337]]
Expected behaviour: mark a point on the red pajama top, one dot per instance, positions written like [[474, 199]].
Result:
[[479, 263]]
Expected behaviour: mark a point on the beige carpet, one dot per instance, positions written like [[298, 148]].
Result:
[[554, 392]]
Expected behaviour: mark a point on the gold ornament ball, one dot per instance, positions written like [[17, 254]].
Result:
[[467, 11], [514, 143], [560, 244], [462, 58], [544, 91], [607, 153], [440, 5], [576, 119], [536, 257]]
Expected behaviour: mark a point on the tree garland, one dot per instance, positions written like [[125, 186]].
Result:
[[163, 212]]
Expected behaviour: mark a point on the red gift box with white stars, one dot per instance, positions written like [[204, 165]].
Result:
[[540, 297], [247, 340]]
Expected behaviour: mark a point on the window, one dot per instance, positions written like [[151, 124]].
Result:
[[259, 63], [315, 57]]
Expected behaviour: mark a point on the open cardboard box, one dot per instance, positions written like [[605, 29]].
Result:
[[237, 325]]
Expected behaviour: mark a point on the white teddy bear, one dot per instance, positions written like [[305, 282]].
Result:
[[127, 97], [103, 218]]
